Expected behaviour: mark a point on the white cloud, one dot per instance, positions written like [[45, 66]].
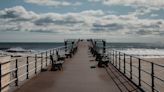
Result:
[[46, 22], [155, 3], [17, 12], [144, 10], [93, 12], [85, 22], [53, 2]]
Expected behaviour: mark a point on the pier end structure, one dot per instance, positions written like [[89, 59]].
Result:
[[99, 44]]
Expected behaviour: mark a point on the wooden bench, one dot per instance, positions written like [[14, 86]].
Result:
[[56, 64], [103, 62], [68, 54], [61, 57]]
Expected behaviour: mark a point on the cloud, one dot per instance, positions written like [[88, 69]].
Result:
[[154, 15], [140, 11], [154, 3], [45, 22], [84, 22], [17, 12], [149, 32], [57, 19], [107, 27], [93, 12], [129, 25], [53, 2]]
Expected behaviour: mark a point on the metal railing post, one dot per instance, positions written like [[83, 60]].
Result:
[[131, 67], [152, 76], [49, 55], [41, 61], [113, 57], [116, 58], [53, 52], [16, 72], [65, 43], [36, 63], [110, 55], [46, 58], [139, 72], [119, 61], [27, 68], [124, 64], [104, 46], [1, 77]]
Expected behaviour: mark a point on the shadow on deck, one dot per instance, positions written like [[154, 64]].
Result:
[[78, 76]]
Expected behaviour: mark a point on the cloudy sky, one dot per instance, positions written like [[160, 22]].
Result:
[[56, 20]]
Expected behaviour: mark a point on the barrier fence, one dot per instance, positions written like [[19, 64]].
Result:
[[21, 69], [146, 75]]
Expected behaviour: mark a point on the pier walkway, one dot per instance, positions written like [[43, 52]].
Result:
[[78, 76]]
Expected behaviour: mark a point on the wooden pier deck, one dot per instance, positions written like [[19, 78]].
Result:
[[78, 76]]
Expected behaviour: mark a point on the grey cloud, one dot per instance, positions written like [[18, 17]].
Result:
[[150, 32], [154, 3], [53, 2], [161, 33], [9, 14], [90, 21], [151, 26], [18, 13], [107, 27], [42, 31], [144, 32], [57, 21]]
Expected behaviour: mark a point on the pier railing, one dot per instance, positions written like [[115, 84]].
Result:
[[146, 75], [21, 69]]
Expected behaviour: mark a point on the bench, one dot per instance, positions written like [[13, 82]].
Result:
[[68, 54], [61, 57], [56, 64], [103, 62]]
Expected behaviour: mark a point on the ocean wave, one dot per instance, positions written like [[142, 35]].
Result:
[[16, 49], [145, 53], [17, 52]]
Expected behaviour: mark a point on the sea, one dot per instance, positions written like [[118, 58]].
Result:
[[147, 50], [28, 48], [142, 50]]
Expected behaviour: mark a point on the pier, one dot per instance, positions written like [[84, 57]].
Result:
[[79, 73]]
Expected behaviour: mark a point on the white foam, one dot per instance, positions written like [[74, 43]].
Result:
[[145, 53], [17, 49]]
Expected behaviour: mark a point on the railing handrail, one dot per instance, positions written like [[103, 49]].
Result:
[[39, 63], [137, 57], [151, 73], [115, 60], [33, 54], [131, 55]]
